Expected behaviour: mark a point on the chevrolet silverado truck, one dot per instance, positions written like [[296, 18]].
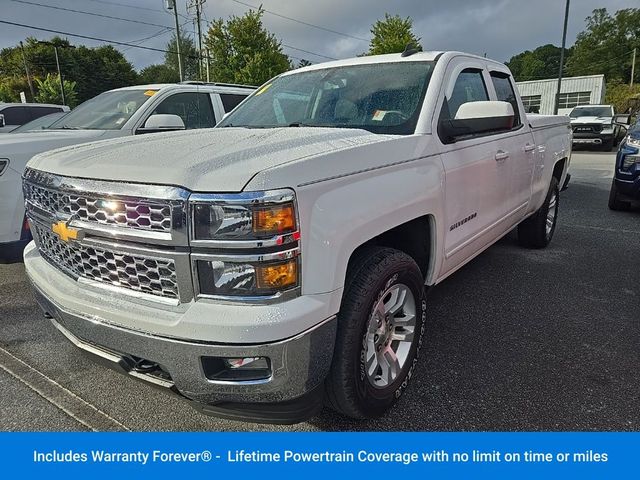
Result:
[[280, 260], [137, 110], [594, 125]]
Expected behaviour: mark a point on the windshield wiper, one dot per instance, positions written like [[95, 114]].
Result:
[[66, 127], [320, 125]]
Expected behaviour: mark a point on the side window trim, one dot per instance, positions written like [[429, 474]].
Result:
[[218, 107]]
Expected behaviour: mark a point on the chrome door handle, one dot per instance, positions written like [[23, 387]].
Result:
[[529, 147], [501, 155]]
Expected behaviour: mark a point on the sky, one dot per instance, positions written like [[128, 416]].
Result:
[[499, 28]]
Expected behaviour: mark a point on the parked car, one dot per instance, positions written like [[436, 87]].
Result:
[[122, 112], [281, 258], [594, 125], [12, 115], [40, 123], [625, 188]]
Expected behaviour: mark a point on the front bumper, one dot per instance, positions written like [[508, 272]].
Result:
[[291, 393], [591, 138]]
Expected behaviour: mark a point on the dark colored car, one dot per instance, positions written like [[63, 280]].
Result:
[[625, 189]]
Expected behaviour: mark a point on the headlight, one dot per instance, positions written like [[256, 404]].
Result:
[[633, 142], [244, 216], [261, 231], [3, 165]]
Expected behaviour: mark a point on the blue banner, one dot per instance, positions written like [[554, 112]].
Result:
[[271, 455]]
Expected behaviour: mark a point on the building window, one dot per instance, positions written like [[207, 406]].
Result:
[[570, 100], [532, 103]]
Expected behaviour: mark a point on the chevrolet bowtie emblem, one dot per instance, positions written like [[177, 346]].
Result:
[[65, 232]]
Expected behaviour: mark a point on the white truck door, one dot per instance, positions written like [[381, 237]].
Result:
[[520, 145], [476, 170]]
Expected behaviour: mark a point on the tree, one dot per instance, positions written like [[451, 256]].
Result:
[[189, 54], [541, 63], [242, 51], [10, 88], [159, 73], [49, 91], [93, 69], [392, 35], [606, 44], [304, 63], [625, 99]]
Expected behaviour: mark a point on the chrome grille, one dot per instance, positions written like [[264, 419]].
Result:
[[139, 214], [154, 276]]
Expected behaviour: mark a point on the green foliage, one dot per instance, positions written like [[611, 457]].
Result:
[[624, 98], [241, 50], [543, 62], [158, 74], [304, 63], [605, 46], [189, 54], [49, 91], [392, 35], [94, 70], [10, 88]]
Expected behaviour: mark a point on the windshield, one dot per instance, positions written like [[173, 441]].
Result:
[[381, 98], [591, 112], [39, 123], [107, 111]]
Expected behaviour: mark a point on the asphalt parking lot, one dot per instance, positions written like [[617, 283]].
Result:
[[517, 340]]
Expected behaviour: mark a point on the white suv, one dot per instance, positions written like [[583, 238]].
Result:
[[117, 113], [13, 115]]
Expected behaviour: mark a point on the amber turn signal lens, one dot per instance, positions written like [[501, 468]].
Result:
[[277, 276], [274, 220]]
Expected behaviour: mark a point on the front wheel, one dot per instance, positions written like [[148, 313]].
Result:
[[537, 230], [380, 328]]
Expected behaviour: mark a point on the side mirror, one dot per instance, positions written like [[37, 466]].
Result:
[[2, 124], [162, 122], [476, 118], [623, 120]]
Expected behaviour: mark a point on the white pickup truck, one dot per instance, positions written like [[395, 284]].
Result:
[[136, 110], [595, 125], [281, 259]]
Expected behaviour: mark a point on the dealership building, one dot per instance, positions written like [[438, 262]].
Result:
[[539, 96]]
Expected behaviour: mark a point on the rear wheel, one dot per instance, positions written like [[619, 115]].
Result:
[[614, 199], [537, 230], [380, 328]]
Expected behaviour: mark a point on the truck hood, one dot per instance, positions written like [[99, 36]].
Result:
[[41, 141], [219, 159], [592, 120]]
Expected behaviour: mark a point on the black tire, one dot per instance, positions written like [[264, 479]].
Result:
[[614, 199], [532, 232], [371, 273]]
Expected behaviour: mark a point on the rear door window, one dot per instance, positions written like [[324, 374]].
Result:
[[505, 93]]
